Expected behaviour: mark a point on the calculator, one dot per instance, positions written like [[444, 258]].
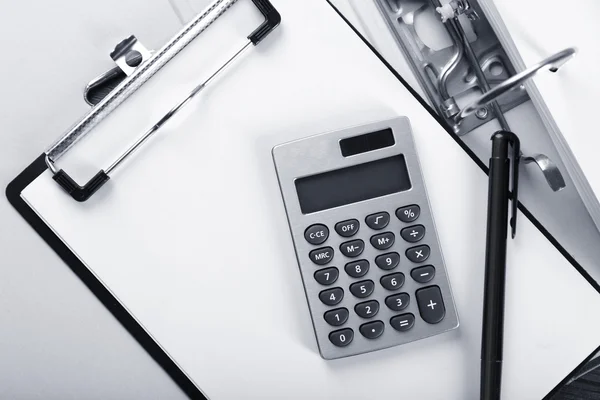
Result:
[[365, 240]]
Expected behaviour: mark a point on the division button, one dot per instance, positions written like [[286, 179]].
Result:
[[431, 304], [336, 317], [388, 261], [368, 309], [331, 297], [403, 323], [341, 338], [353, 248], [397, 302], [392, 281], [362, 289], [418, 254], [383, 241], [372, 330], [378, 221], [347, 228], [413, 234], [327, 276], [408, 213], [321, 256], [316, 234], [423, 274], [357, 269]]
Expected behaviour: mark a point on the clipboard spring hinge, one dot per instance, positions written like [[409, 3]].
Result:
[[138, 63]]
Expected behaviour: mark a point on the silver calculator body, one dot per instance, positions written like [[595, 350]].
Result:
[[365, 238]]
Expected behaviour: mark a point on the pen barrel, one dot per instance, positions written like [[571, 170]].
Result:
[[495, 273]]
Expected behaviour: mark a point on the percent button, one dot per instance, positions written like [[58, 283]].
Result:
[[408, 213]]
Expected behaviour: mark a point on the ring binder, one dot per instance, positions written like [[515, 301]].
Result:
[[126, 55], [476, 61]]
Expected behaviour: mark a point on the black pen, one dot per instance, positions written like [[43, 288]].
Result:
[[495, 258]]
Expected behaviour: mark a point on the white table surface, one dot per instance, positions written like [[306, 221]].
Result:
[[57, 341], [61, 342]]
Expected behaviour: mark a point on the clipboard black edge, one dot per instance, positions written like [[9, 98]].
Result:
[[485, 169], [13, 194], [36, 168]]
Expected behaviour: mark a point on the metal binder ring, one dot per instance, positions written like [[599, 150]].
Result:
[[554, 62]]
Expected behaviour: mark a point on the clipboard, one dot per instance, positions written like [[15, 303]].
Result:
[[14, 192]]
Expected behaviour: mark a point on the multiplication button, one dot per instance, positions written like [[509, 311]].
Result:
[[418, 254], [316, 234], [408, 213]]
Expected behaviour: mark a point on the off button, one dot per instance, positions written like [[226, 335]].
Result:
[[316, 234]]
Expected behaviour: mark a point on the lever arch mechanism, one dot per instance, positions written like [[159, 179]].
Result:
[[471, 62], [139, 64]]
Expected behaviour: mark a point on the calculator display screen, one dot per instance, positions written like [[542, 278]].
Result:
[[353, 184]]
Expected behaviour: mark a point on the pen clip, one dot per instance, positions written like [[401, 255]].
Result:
[[516, 158]]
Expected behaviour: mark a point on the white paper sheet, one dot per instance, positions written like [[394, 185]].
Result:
[[191, 235]]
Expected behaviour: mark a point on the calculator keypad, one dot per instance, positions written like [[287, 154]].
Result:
[[383, 287]]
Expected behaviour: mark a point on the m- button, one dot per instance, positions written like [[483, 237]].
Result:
[[353, 248], [316, 234]]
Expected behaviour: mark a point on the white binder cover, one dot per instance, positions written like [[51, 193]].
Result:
[[191, 235], [539, 30]]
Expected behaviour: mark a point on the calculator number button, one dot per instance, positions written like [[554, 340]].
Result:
[[316, 234], [347, 228], [383, 241], [413, 234], [362, 289], [403, 323], [327, 276], [431, 304], [353, 248], [423, 274], [388, 261], [321, 256], [332, 297], [392, 281], [408, 213], [418, 254], [357, 269], [397, 302], [372, 330], [341, 338], [336, 317], [378, 221], [368, 309]]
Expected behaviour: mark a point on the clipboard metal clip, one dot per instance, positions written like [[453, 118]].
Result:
[[139, 64]]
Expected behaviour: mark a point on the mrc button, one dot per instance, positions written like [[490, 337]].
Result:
[[321, 256], [347, 228], [316, 234]]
